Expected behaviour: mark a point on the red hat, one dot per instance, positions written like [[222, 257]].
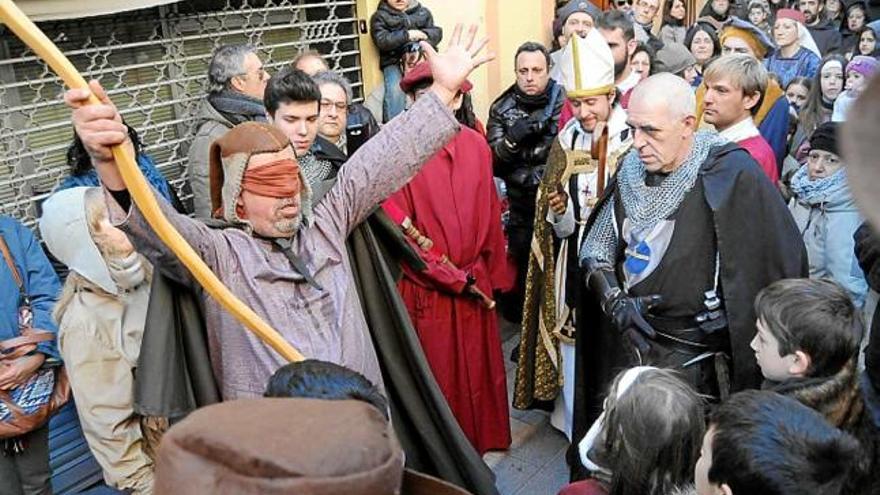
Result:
[[422, 73], [792, 14]]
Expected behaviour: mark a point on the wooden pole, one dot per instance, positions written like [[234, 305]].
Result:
[[137, 186]]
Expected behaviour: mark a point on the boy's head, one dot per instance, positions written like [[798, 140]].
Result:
[[763, 442], [313, 379], [806, 328], [293, 101], [400, 5]]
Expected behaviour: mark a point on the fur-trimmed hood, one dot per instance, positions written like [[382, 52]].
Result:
[[837, 397]]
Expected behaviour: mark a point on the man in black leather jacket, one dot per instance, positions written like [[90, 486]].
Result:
[[523, 122]]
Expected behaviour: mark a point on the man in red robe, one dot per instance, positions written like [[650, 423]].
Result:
[[735, 86], [456, 214]]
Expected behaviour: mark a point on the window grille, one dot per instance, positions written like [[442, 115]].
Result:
[[153, 63]]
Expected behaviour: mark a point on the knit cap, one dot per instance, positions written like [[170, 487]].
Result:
[[673, 58], [862, 64]]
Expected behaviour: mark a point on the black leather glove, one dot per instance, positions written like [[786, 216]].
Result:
[[627, 313], [520, 130], [539, 125]]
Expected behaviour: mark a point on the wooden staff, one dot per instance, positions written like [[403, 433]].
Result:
[[427, 245], [137, 186], [599, 151]]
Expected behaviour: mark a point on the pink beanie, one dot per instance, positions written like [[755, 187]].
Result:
[[862, 64]]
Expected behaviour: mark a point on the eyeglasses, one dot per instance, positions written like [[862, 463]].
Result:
[[260, 72], [340, 105], [649, 6]]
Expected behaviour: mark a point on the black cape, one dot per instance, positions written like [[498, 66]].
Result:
[[175, 377], [758, 242]]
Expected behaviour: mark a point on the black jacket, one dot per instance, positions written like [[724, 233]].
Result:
[[826, 36], [389, 29], [522, 167], [867, 250]]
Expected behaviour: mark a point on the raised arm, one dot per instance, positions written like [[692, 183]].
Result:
[[391, 158]]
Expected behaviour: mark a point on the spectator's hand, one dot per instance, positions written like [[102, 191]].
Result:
[[520, 130], [417, 35], [16, 372], [100, 127], [628, 315], [452, 67], [558, 202]]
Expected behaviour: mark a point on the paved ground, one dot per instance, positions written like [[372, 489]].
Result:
[[535, 463]]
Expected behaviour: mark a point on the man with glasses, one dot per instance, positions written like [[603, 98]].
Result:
[[236, 79], [643, 14], [336, 98]]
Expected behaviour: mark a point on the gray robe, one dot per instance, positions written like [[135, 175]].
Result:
[[326, 324]]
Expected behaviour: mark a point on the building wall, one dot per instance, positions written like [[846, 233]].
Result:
[[508, 23]]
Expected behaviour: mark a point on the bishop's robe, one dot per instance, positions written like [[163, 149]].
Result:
[[545, 366], [453, 202]]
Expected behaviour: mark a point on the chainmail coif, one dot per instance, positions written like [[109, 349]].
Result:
[[645, 205]]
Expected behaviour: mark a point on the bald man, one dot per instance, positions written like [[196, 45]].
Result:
[[677, 249]]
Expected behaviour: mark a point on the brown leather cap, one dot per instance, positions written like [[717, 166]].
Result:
[[861, 151], [281, 446], [248, 138]]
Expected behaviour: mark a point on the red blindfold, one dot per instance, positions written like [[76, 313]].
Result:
[[278, 179]]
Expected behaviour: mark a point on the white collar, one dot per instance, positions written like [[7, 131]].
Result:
[[630, 82], [741, 131]]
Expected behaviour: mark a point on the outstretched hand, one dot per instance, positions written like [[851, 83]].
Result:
[[451, 68]]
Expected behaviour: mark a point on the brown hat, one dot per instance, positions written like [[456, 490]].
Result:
[[228, 159], [281, 446], [861, 147]]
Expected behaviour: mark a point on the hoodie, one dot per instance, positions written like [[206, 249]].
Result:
[[826, 36]]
